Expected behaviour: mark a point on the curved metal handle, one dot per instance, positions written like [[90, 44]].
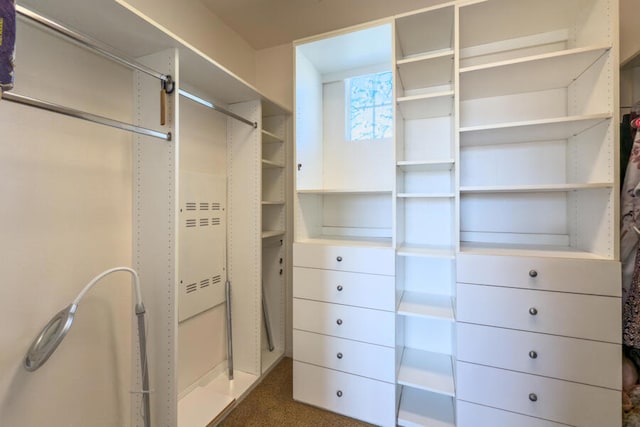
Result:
[[339, 288], [533, 311], [533, 397], [339, 393], [339, 321], [533, 273], [339, 259], [533, 354], [339, 355]]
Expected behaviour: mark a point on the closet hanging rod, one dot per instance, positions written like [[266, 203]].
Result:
[[44, 105], [216, 107], [94, 45]]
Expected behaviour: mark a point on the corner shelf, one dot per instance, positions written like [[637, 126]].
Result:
[[268, 164], [417, 304], [427, 371], [272, 233], [270, 138]]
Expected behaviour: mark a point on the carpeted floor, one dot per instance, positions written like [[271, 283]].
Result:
[[271, 404]]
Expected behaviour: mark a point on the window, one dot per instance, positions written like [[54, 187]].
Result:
[[370, 108]]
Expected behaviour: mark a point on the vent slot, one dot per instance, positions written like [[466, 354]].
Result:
[[191, 206], [204, 222], [204, 206], [216, 279], [205, 283], [215, 221], [191, 223], [192, 287], [215, 206]]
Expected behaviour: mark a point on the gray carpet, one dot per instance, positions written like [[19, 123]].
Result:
[[271, 404]]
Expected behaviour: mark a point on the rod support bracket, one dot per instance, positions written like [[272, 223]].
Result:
[[168, 85]]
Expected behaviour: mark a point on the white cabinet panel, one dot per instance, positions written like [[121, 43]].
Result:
[[369, 400], [583, 361], [551, 399], [470, 415], [363, 290], [367, 360], [361, 324], [573, 315], [345, 258], [568, 275]]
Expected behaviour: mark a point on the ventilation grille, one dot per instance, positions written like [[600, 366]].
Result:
[[191, 287], [202, 284], [215, 206], [202, 207], [215, 221], [191, 223], [191, 206]]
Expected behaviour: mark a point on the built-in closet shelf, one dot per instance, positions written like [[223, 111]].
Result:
[[426, 251], [271, 164], [269, 138], [534, 188], [426, 30], [427, 371], [425, 106], [416, 166], [419, 408], [418, 304], [551, 129], [345, 192], [426, 195], [273, 202], [529, 74], [272, 233], [371, 242], [508, 249], [428, 70]]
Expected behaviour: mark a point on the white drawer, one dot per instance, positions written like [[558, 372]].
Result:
[[471, 415], [354, 357], [368, 400], [584, 361], [343, 321], [595, 277], [363, 290], [550, 399], [371, 260], [572, 315]]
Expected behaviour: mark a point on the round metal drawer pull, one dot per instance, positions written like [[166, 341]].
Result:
[[339, 288], [339, 259], [339, 355], [339, 393], [533, 354], [533, 273], [533, 397], [533, 311], [339, 321]]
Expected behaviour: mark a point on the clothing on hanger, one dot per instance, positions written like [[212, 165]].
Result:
[[7, 43]]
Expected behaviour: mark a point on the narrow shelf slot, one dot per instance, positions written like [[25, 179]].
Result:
[[272, 202], [423, 71], [534, 188], [271, 164], [549, 251], [376, 242], [529, 74], [345, 192], [269, 138], [427, 371], [427, 30], [426, 251], [419, 304], [420, 408], [425, 106], [417, 166], [426, 195], [272, 233]]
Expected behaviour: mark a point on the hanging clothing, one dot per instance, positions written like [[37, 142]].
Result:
[[7, 43], [630, 216]]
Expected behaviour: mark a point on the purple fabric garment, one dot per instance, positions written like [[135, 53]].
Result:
[[7, 42]]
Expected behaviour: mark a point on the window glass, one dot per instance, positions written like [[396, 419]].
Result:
[[369, 102]]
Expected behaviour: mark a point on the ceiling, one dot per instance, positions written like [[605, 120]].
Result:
[[268, 23]]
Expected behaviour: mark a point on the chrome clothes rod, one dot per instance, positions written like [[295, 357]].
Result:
[[216, 107], [92, 44], [44, 105]]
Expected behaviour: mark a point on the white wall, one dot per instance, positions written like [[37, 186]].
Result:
[[629, 30], [65, 217], [274, 73]]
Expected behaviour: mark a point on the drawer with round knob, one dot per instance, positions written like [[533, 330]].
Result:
[[351, 395], [572, 315], [359, 289], [365, 259], [597, 277], [354, 357], [547, 398], [584, 361], [361, 324]]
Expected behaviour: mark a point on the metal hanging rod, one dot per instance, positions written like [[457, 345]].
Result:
[[44, 105], [94, 45], [216, 107]]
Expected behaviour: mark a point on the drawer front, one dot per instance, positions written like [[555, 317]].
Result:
[[584, 361], [361, 324], [471, 415], [345, 258], [596, 277], [572, 315], [368, 400], [354, 357], [363, 290], [550, 399]]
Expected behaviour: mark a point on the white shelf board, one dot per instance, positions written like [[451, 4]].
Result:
[[552, 129], [548, 251], [417, 304], [534, 188], [268, 137], [427, 371], [271, 164], [420, 408], [426, 195], [417, 166], [345, 192], [423, 71], [426, 30], [272, 233], [529, 74], [426, 251], [273, 202], [377, 242], [205, 402], [425, 106]]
